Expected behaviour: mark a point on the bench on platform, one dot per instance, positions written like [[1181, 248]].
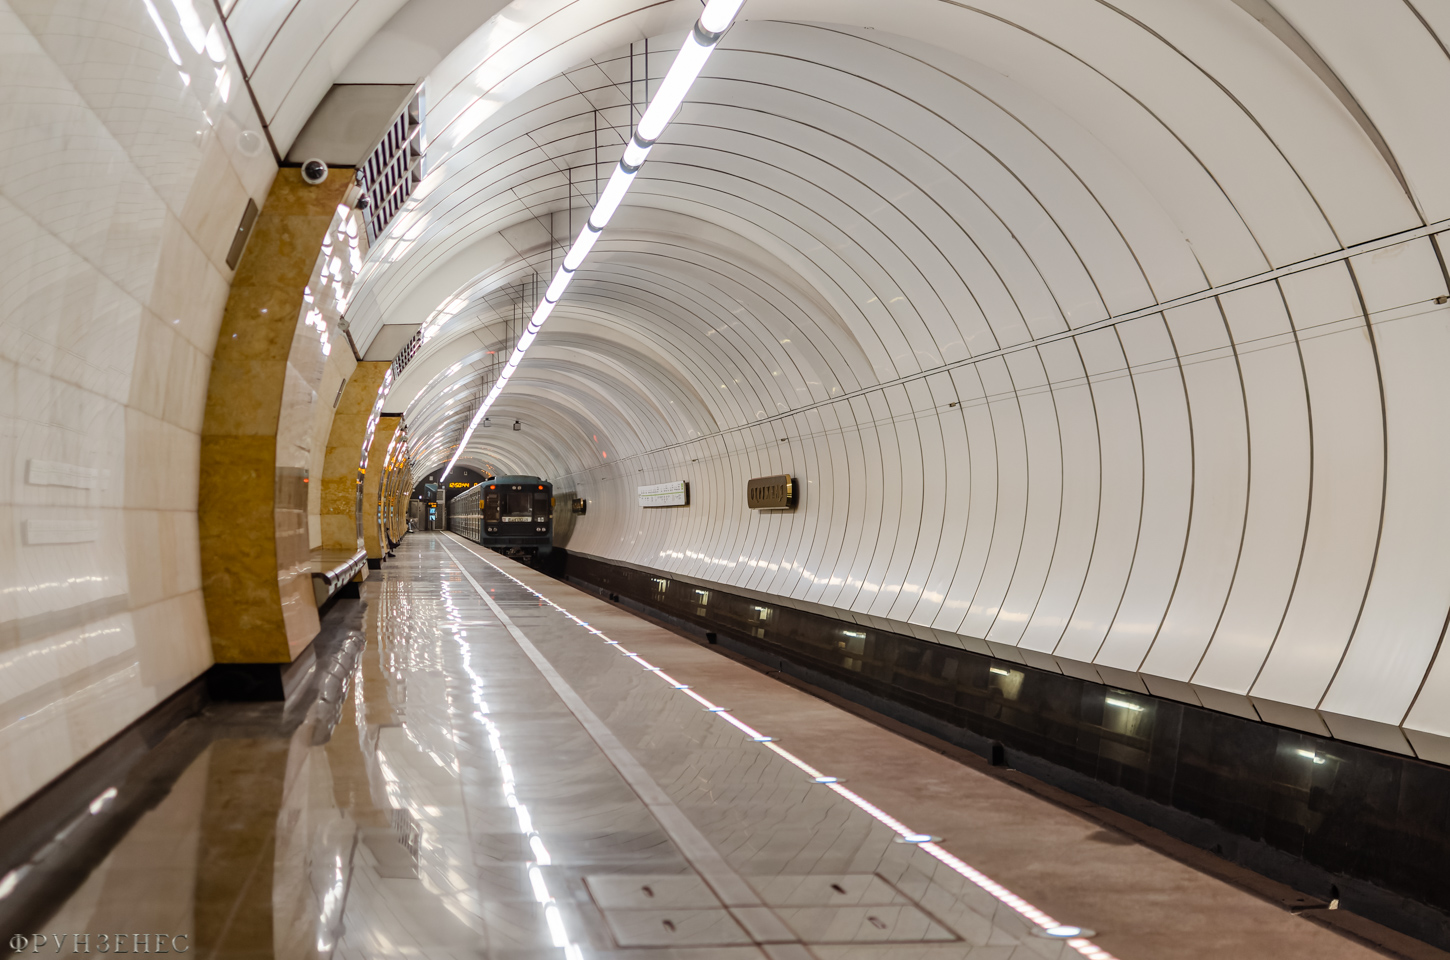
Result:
[[334, 570]]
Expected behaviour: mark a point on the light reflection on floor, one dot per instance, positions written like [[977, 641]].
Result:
[[463, 791]]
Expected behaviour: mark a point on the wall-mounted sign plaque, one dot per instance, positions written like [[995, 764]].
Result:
[[676, 493], [771, 493]]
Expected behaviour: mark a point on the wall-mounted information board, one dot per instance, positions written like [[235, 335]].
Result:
[[676, 493]]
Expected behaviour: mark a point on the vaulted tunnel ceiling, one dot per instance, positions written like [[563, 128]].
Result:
[[1091, 329], [840, 205]]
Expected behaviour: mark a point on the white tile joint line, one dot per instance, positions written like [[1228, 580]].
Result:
[[1082, 945]]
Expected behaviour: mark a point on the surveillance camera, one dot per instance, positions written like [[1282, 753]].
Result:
[[518, 425], [314, 171]]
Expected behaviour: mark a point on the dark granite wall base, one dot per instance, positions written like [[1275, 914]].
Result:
[[244, 682], [1330, 818]]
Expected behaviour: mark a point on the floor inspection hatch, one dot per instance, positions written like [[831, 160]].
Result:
[[681, 910]]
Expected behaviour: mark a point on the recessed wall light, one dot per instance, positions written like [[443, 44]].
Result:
[[917, 838], [1062, 931]]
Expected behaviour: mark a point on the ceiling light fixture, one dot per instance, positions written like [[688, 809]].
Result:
[[713, 22]]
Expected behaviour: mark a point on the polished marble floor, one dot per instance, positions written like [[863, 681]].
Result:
[[498, 765]]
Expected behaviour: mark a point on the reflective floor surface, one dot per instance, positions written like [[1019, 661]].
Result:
[[491, 771]]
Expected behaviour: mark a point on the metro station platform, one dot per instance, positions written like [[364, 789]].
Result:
[[499, 765]]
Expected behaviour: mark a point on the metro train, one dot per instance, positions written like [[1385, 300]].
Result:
[[513, 515]]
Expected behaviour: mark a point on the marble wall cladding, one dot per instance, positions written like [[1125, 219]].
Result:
[[262, 422], [398, 505], [374, 486], [397, 487], [336, 373], [325, 370], [1234, 503], [128, 153], [337, 490]]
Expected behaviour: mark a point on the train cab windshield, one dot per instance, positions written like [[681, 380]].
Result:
[[515, 505]]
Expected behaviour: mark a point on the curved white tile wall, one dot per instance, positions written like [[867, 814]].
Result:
[[1057, 313], [1172, 522], [129, 151]]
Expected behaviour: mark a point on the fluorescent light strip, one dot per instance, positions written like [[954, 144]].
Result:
[[1039, 918], [717, 16]]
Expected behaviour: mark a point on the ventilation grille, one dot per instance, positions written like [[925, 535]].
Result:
[[394, 168], [405, 355]]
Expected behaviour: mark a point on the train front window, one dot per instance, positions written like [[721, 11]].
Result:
[[490, 508], [517, 504], [541, 507]]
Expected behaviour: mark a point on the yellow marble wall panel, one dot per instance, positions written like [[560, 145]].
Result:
[[244, 396], [340, 368], [263, 312], [385, 496], [395, 503], [265, 372], [236, 531], [305, 418], [373, 485], [338, 531], [396, 512], [400, 487], [294, 566], [344, 451]]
